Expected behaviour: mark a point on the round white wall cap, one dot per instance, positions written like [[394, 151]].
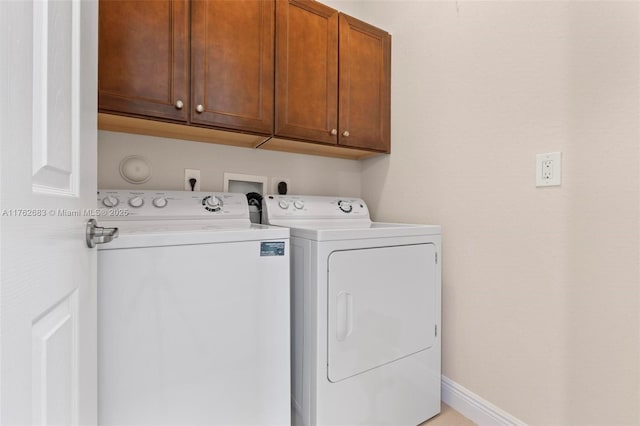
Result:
[[135, 169]]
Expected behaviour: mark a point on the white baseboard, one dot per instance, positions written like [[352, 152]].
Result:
[[473, 407]]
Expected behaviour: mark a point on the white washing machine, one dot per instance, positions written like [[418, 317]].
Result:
[[365, 313], [193, 315]]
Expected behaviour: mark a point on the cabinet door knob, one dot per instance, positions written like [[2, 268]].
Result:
[[334, 132], [200, 108], [345, 133], [179, 104]]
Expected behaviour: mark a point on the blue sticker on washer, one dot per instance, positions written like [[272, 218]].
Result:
[[274, 248]]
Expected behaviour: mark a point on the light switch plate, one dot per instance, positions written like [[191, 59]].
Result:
[[549, 169]]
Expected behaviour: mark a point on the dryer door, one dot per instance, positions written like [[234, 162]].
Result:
[[381, 306]]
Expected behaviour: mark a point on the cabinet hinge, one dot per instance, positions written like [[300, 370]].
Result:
[[436, 330], [436, 257]]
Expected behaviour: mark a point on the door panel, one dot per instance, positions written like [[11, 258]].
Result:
[[54, 381], [55, 143], [306, 71], [365, 85], [381, 306], [143, 50], [48, 276], [232, 64]]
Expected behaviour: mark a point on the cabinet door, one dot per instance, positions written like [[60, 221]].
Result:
[[306, 71], [143, 58], [365, 85], [232, 64]]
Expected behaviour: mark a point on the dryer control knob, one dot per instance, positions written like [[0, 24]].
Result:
[[284, 204], [160, 202], [110, 201], [298, 204], [136, 202], [345, 206]]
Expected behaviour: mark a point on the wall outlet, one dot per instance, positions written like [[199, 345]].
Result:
[[189, 174], [549, 169], [276, 181]]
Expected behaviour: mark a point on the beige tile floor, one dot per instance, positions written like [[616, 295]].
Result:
[[448, 417]]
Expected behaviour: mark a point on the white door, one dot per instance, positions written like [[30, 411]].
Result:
[[382, 305], [48, 79]]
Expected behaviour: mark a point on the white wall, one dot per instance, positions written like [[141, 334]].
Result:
[[540, 293], [602, 312], [309, 174]]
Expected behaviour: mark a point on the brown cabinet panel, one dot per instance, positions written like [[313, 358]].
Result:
[[306, 71], [143, 66], [232, 69], [293, 69], [365, 85]]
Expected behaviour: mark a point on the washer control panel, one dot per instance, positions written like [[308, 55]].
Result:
[[148, 205], [313, 207]]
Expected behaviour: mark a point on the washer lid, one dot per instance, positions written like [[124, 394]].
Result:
[[184, 232]]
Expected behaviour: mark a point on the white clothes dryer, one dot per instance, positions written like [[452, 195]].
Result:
[[366, 308], [193, 312]]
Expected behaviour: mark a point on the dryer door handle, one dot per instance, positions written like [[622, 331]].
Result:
[[344, 317]]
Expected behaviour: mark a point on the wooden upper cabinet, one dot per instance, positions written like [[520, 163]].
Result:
[[232, 70], [143, 58], [306, 71], [365, 85], [333, 77], [294, 69]]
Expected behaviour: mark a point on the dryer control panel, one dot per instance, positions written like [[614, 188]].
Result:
[[120, 204], [313, 207]]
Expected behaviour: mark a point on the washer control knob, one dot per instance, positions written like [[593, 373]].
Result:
[[136, 202], [212, 203], [284, 204], [110, 201], [345, 206], [160, 202], [298, 204]]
